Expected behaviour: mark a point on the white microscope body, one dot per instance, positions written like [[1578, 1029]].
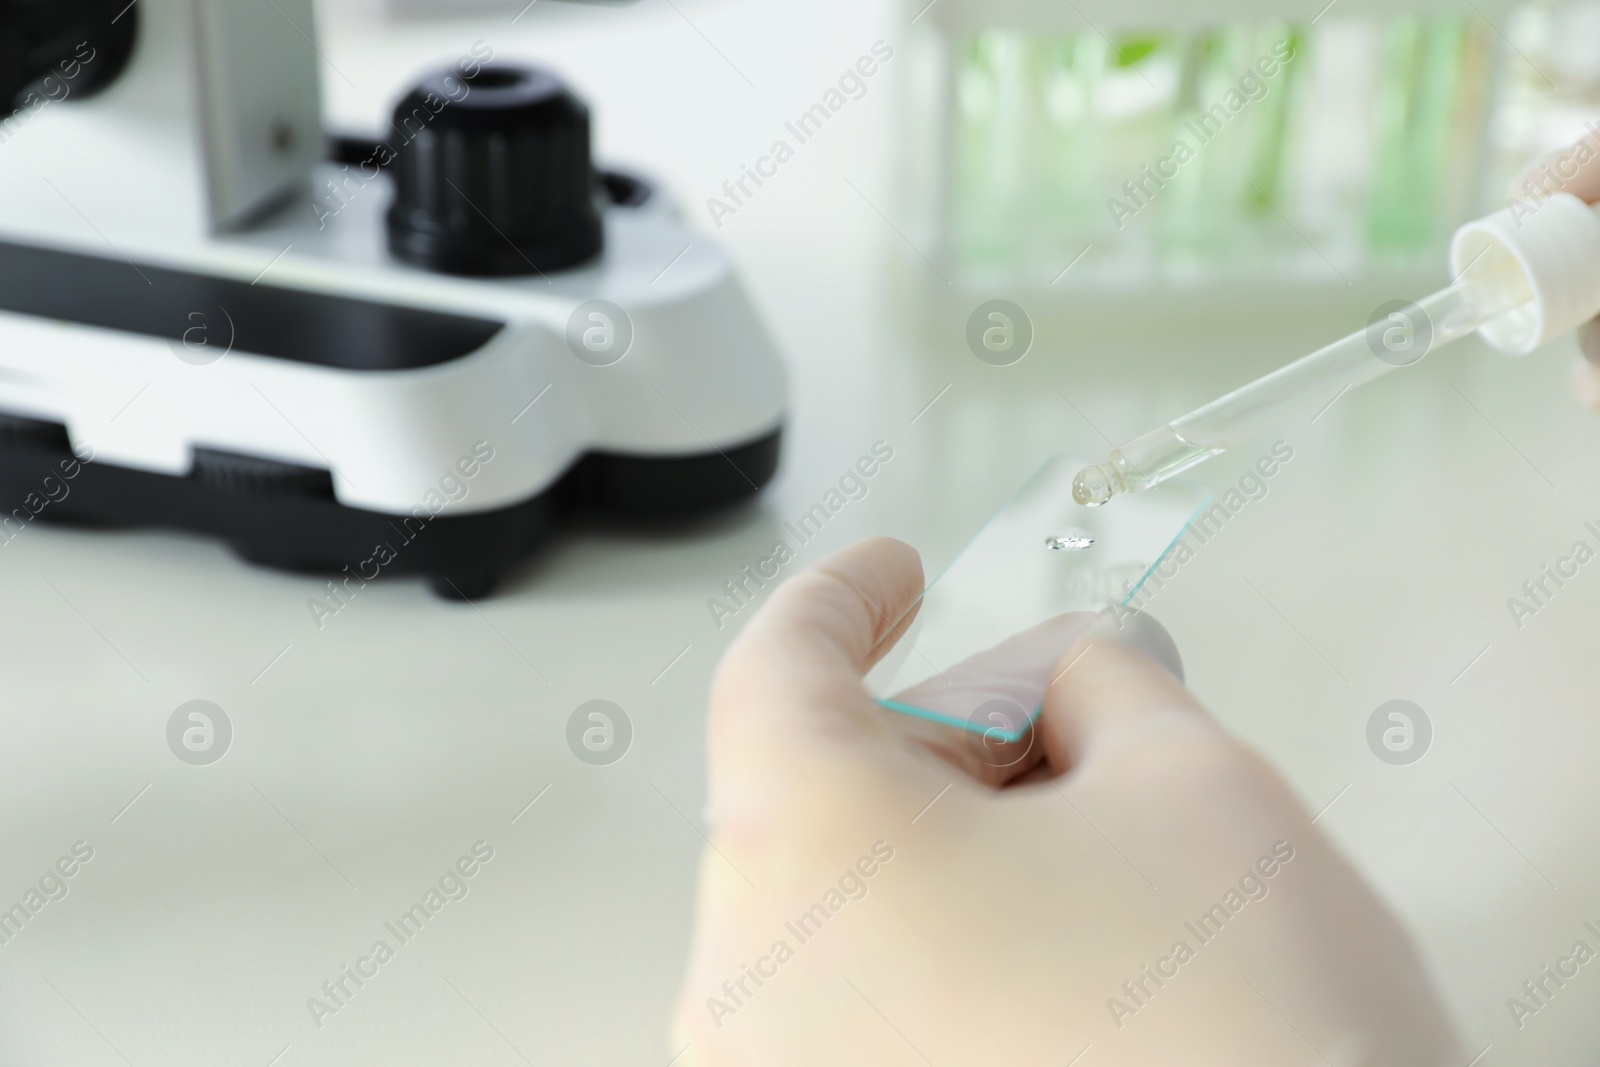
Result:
[[202, 306]]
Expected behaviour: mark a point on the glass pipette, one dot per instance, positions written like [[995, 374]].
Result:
[[1310, 383]]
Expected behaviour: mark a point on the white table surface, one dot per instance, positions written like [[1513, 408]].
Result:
[[371, 754]]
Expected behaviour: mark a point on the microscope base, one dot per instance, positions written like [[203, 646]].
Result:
[[279, 516]]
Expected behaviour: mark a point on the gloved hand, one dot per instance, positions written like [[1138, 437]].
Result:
[[882, 890], [1574, 170]]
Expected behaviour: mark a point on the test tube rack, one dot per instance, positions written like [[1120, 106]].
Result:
[[1115, 160]]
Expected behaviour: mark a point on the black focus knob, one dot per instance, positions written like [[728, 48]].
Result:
[[65, 47], [492, 174]]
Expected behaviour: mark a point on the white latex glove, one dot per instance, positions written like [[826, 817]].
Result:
[[882, 890]]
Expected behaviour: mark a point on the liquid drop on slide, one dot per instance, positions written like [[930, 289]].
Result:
[[1072, 539]]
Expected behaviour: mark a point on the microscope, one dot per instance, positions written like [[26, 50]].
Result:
[[418, 354]]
